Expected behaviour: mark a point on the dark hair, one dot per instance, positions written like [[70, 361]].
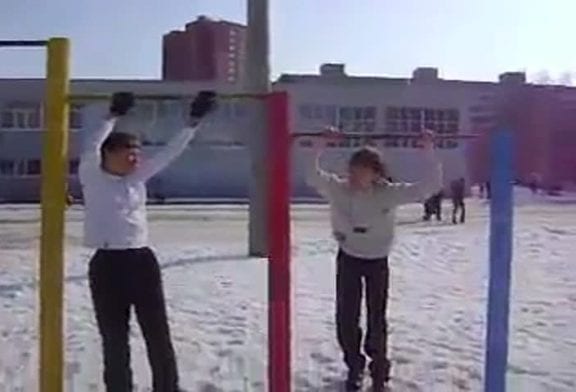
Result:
[[368, 157], [118, 141]]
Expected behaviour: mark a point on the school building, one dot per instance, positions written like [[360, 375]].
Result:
[[216, 164]]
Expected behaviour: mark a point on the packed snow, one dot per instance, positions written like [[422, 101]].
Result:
[[217, 300]]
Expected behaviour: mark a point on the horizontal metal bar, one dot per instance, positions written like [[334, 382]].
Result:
[[380, 136], [21, 44], [161, 97]]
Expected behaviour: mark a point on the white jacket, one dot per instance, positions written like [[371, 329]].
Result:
[[115, 206]]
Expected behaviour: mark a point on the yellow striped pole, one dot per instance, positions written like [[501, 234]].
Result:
[[54, 187]]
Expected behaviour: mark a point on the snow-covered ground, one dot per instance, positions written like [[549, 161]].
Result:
[[217, 301]]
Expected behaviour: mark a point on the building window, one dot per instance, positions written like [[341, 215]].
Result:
[[76, 118], [33, 167], [20, 169], [411, 120], [6, 168], [73, 167], [29, 167], [6, 119], [146, 111], [322, 115], [357, 119], [21, 115], [29, 116], [232, 111]]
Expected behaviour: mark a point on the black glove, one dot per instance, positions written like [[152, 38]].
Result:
[[121, 103], [204, 103]]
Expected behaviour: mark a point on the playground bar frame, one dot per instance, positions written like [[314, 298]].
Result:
[[53, 193], [23, 44], [54, 172], [500, 264], [279, 267], [53, 199]]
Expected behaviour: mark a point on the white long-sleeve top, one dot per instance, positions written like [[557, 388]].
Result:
[[363, 221], [115, 206]]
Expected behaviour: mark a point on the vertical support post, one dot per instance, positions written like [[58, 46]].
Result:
[[54, 173], [501, 224], [257, 81], [279, 292]]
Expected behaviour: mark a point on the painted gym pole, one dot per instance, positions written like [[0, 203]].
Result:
[[54, 171], [257, 81], [501, 229], [279, 292]]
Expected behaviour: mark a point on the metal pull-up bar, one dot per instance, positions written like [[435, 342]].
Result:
[[163, 97], [23, 44]]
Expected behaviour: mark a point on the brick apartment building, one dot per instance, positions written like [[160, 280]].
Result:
[[206, 50]]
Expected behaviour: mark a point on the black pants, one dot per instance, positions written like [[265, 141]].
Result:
[[458, 206], [351, 273], [120, 279]]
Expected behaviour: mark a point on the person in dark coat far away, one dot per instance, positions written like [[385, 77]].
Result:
[[458, 193]]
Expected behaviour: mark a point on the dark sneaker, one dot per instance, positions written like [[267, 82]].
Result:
[[380, 373], [380, 378], [381, 387], [354, 382]]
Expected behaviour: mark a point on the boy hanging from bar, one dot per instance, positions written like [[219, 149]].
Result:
[[362, 208], [124, 271]]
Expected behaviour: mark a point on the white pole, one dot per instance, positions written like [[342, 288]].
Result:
[[257, 80]]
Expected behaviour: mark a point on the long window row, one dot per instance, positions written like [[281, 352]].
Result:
[[397, 120], [28, 167], [29, 117], [394, 142]]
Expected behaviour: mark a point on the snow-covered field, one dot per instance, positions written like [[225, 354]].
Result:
[[217, 301]]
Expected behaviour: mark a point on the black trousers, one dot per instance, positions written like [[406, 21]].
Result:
[[458, 206], [120, 280], [352, 275]]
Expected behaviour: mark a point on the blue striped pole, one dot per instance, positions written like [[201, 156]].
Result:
[[501, 222]]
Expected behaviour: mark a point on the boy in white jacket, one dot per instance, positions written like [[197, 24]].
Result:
[[124, 272]]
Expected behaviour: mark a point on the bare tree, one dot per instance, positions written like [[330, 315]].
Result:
[[542, 77], [565, 78]]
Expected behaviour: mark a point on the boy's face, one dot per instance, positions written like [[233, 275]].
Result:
[[362, 177], [123, 161]]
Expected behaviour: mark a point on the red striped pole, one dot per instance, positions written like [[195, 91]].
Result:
[[279, 292]]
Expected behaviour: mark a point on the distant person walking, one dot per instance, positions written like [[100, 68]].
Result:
[[534, 183], [457, 188], [433, 207]]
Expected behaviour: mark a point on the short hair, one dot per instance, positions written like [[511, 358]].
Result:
[[118, 141], [368, 157]]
